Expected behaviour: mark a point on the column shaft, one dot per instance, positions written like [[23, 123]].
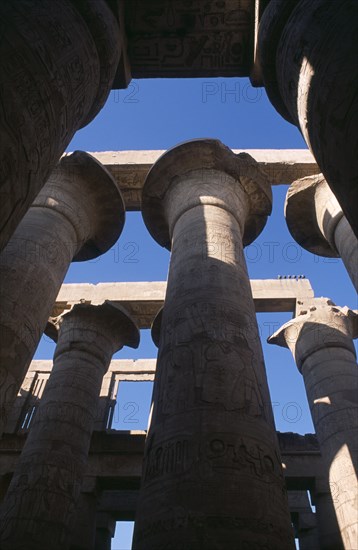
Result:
[[329, 534], [212, 472], [65, 222], [316, 221], [321, 342], [331, 383], [347, 246], [57, 64], [39, 507], [305, 48]]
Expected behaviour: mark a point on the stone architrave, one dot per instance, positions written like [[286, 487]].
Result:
[[320, 339], [58, 59], [40, 503], [212, 473], [78, 215], [307, 59], [316, 221]]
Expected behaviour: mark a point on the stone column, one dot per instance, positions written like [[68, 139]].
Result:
[[212, 473], [57, 64], [304, 520], [78, 215], [40, 503], [316, 221], [84, 523], [311, 75], [320, 339], [105, 530], [329, 534]]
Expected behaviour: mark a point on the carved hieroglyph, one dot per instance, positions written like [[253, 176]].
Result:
[[190, 37], [212, 470]]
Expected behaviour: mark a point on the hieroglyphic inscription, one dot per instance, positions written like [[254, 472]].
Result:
[[190, 37], [206, 456], [220, 365]]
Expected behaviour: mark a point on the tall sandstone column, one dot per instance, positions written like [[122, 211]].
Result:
[[58, 59], [212, 475], [316, 221], [320, 339], [41, 501], [309, 69], [78, 215]]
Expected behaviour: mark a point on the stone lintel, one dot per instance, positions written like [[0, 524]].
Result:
[[115, 458], [143, 300], [190, 39], [126, 369], [130, 168]]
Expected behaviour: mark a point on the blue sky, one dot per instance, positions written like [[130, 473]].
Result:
[[158, 114]]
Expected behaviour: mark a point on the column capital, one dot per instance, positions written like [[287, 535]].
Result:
[[201, 172], [312, 213], [156, 327], [319, 324], [304, 49], [81, 189], [108, 319]]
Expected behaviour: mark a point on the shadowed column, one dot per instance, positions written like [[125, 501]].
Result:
[[212, 475], [304, 520], [320, 339], [57, 64], [316, 221], [79, 214], [41, 501], [309, 69]]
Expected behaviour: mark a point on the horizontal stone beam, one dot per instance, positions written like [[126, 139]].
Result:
[[115, 459], [143, 299], [130, 168], [138, 370]]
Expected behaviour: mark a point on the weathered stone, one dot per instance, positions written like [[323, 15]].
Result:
[[130, 168], [84, 525], [115, 459], [212, 465], [39, 505], [143, 300], [78, 215], [190, 38], [316, 221], [320, 339], [306, 47], [58, 62]]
